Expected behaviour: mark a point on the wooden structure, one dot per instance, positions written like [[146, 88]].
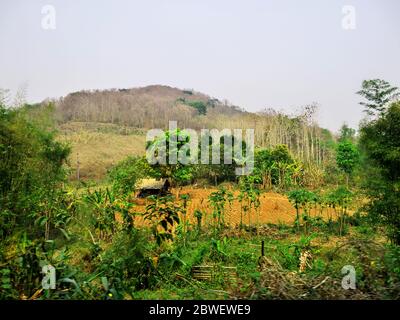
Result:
[[148, 187], [211, 272]]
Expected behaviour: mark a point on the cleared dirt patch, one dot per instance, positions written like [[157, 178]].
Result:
[[275, 208]]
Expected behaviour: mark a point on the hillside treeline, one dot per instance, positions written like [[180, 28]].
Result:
[[154, 106]]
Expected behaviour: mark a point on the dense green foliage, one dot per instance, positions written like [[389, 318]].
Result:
[[181, 174], [161, 147], [381, 145], [33, 207], [200, 106], [277, 167], [347, 157], [30, 175], [163, 214]]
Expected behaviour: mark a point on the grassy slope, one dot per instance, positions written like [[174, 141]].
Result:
[[99, 146]]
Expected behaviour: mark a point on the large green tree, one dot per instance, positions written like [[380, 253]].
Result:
[[378, 93], [347, 158], [163, 147], [381, 145]]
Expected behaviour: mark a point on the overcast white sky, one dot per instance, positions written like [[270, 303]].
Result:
[[256, 54]]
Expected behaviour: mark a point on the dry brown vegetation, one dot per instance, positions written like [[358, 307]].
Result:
[[98, 147], [147, 107]]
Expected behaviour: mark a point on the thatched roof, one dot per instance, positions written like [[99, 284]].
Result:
[[152, 184]]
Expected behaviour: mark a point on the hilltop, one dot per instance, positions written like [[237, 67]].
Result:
[[146, 107]]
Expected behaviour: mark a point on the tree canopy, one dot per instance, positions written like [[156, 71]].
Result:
[[378, 94]]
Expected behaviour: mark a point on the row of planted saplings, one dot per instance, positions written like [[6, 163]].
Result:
[[333, 205], [167, 214], [220, 201], [249, 199]]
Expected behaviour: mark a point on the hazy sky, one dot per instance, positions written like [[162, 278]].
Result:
[[256, 54]]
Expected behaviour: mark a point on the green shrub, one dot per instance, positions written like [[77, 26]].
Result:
[[126, 266], [126, 174], [200, 106]]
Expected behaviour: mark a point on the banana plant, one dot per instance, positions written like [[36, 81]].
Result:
[[105, 206]]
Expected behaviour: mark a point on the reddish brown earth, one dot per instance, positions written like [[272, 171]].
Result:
[[275, 208]]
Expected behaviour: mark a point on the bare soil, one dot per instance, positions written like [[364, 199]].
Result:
[[275, 208]]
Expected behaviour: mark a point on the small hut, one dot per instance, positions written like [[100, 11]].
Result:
[[148, 187]]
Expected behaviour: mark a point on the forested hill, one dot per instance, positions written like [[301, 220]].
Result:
[[146, 107], [153, 106]]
